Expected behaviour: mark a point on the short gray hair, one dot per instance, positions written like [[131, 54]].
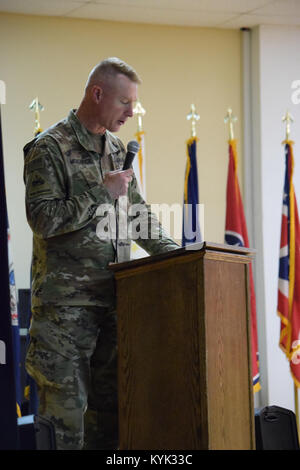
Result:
[[109, 68]]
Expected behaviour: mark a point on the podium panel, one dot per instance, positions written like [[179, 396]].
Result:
[[184, 350]]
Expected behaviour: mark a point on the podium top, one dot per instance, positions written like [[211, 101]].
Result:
[[201, 248], [241, 250]]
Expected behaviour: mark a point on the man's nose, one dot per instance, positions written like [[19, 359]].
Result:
[[129, 110]]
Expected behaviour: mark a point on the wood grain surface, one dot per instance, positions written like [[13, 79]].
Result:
[[184, 352]]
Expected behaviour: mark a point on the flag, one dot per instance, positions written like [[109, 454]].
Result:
[[139, 168], [288, 306], [15, 326], [190, 226], [236, 234], [8, 422]]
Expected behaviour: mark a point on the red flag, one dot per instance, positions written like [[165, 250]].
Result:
[[289, 271], [236, 234]]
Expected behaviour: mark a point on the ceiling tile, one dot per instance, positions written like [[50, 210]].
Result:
[[40, 7], [231, 6], [280, 7], [150, 15], [250, 21], [209, 13]]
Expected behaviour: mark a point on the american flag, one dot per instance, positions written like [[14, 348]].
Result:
[[236, 234], [288, 306]]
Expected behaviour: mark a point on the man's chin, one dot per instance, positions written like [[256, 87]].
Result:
[[115, 127]]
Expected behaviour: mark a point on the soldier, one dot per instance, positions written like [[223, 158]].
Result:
[[70, 175]]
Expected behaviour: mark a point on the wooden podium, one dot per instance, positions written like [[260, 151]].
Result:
[[184, 350]]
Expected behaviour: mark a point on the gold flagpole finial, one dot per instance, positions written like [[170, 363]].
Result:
[[36, 106], [194, 117], [140, 112], [288, 119], [231, 119]]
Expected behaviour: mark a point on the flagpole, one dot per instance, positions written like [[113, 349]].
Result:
[[230, 119], [193, 116], [288, 119], [139, 168], [36, 106], [140, 112]]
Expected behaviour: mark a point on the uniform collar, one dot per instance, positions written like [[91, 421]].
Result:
[[85, 139]]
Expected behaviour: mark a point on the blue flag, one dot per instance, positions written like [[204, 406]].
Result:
[[191, 227], [8, 421]]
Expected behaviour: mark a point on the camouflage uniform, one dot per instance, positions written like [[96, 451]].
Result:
[[72, 354]]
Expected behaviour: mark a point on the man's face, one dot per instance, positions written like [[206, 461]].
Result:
[[117, 102]]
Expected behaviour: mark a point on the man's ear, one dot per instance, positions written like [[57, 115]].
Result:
[[97, 93]]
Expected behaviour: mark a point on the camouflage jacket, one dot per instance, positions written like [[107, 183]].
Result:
[[69, 209]]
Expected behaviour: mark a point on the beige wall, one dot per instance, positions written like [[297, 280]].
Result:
[[51, 58]]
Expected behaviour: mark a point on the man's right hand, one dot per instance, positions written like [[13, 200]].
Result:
[[117, 182]]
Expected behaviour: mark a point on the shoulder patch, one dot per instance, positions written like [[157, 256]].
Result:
[[38, 185], [36, 164]]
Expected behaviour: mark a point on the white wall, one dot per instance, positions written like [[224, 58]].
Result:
[[275, 65]]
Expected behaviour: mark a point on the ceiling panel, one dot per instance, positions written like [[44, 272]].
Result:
[[40, 7], [150, 15], [225, 6], [281, 7], [249, 21], [209, 13]]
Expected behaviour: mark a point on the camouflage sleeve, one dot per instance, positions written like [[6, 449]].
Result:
[[152, 237], [50, 211]]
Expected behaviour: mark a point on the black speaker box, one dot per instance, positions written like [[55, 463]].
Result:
[[276, 429], [36, 433]]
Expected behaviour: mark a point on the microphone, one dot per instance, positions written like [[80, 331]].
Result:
[[132, 149]]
